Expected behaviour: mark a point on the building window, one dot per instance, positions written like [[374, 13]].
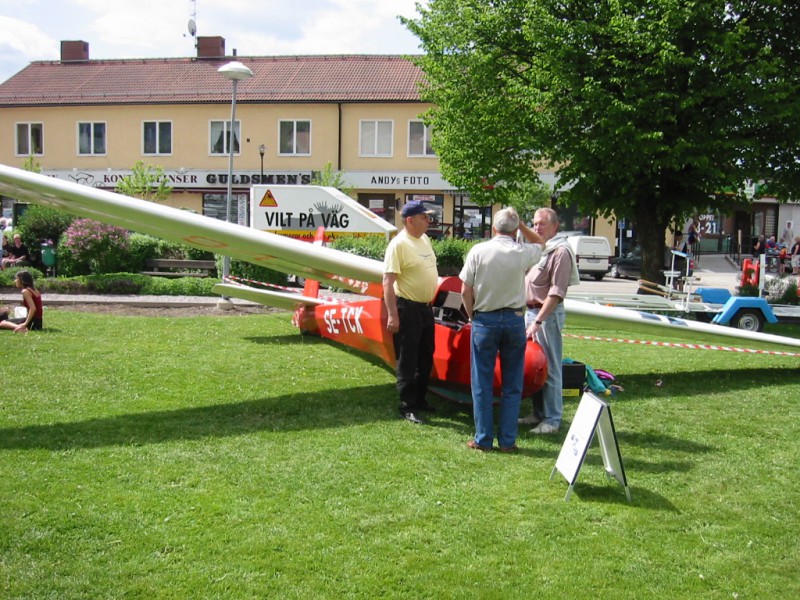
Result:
[[376, 138], [295, 138], [29, 139], [91, 138], [419, 139], [220, 137], [157, 137], [214, 206]]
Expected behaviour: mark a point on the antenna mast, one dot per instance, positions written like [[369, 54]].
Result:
[[193, 20]]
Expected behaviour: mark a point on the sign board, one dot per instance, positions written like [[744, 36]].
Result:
[[297, 211], [592, 415]]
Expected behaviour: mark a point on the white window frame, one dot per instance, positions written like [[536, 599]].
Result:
[[426, 140], [363, 137], [294, 123], [237, 128], [158, 125], [29, 142], [93, 125]]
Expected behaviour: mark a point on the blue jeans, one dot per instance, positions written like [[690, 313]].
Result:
[[502, 333], [549, 338]]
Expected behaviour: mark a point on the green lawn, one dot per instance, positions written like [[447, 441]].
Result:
[[233, 458]]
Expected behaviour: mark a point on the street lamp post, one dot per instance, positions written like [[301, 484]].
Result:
[[235, 71], [261, 150]]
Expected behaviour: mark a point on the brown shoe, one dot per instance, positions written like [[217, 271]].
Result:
[[476, 446], [513, 448]]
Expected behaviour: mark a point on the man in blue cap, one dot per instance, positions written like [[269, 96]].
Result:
[[410, 278]]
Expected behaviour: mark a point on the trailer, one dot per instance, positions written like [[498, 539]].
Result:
[[705, 304]]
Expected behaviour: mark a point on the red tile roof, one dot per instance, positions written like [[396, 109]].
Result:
[[279, 79]]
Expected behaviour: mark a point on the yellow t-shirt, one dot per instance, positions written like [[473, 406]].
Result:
[[413, 261]]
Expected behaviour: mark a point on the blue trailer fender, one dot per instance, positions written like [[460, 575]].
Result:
[[713, 295], [736, 303]]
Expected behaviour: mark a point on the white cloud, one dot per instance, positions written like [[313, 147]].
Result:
[[26, 38], [158, 28]]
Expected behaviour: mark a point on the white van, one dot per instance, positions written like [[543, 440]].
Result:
[[592, 253]]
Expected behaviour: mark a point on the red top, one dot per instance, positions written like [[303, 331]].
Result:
[[37, 302]]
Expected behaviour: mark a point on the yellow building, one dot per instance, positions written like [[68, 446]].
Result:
[[90, 121]]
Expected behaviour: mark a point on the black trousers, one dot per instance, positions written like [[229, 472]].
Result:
[[413, 348]]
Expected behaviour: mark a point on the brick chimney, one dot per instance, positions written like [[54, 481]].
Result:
[[74, 51], [210, 47]]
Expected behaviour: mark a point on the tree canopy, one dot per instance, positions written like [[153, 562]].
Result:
[[650, 110]]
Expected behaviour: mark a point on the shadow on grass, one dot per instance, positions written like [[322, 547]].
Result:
[[614, 493], [294, 412], [694, 383], [300, 340], [662, 442], [633, 465]]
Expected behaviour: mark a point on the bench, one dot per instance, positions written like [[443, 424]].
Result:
[[202, 268]]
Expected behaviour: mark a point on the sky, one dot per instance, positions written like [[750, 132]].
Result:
[[33, 29]]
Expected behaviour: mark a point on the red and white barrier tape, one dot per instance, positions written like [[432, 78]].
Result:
[[680, 345], [264, 283]]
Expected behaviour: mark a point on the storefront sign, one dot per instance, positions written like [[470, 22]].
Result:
[[382, 180], [184, 178]]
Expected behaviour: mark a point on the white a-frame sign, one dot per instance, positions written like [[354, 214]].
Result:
[[592, 414]]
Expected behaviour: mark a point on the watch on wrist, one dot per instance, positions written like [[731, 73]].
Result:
[[538, 322]]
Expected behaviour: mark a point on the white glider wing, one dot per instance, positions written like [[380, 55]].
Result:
[[283, 300], [624, 321], [277, 252], [311, 261]]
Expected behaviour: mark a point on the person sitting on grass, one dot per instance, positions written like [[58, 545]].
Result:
[[31, 300], [17, 253]]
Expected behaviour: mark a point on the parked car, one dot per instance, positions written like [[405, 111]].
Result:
[[630, 265], [592, 253]]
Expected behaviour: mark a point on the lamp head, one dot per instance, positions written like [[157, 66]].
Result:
[[262, 149], [235, 71]]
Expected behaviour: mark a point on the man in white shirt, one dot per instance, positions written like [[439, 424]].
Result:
[[493, 292]]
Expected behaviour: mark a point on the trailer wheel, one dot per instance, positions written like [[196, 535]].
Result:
[[749, 319]]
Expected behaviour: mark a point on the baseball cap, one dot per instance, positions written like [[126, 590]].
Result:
[[415, 207]]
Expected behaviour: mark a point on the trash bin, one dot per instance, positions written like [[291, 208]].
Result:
[[49, 257]]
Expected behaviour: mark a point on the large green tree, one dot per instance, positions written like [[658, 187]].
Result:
[[647, 109]]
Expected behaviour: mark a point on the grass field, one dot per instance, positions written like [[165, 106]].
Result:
[[233, 458]]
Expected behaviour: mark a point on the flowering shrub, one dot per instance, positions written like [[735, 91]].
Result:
[[89, 247]]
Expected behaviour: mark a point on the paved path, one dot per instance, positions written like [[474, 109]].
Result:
[[712, 271], [141, 301]]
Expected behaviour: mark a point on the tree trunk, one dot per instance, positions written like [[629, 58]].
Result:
[[650, 228]]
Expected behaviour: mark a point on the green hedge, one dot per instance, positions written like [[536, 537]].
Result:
[[450, 252], [7, 276], [130, 284]]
